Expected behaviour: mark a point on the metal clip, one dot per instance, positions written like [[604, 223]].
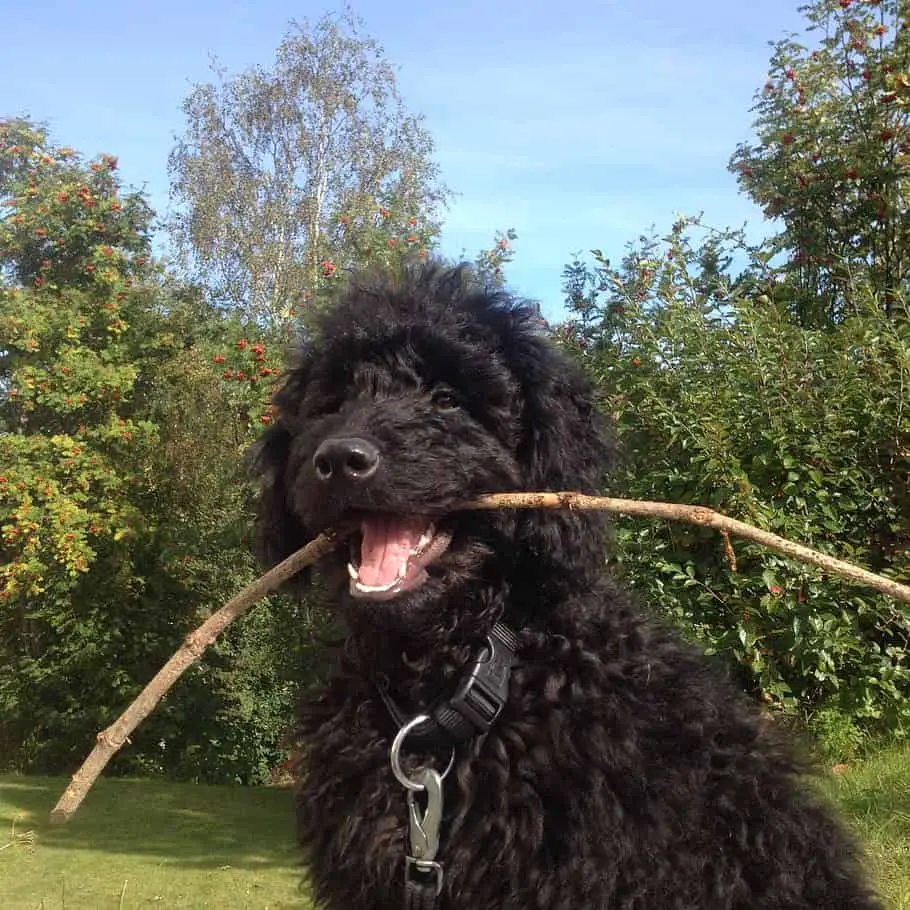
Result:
[[423, 829], [423, 876]]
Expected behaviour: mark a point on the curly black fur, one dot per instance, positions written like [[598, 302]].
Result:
[[623, 772]]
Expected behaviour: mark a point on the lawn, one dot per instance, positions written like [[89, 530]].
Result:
[[149, 843], [874, 795]]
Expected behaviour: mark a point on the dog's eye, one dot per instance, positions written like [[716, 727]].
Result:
[[444, 400]]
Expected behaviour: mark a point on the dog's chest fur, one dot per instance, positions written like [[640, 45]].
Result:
[[584, 794]]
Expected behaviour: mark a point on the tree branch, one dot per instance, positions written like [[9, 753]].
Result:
[[697, 515], [113, 738]]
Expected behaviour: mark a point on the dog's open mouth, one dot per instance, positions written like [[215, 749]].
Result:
[[390, 555]]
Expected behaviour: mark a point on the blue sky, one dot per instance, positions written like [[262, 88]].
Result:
[[580, 126]]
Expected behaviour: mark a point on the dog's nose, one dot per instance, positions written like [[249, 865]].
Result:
[[349, 457]]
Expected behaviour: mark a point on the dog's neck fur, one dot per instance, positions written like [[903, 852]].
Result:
[[425, 660]]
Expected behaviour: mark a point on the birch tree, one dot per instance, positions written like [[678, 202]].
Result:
[[282, 170]]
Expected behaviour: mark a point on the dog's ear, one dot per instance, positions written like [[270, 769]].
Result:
[[279, 531], [567, 446]]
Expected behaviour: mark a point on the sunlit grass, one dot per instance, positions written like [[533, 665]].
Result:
[[152, 843], [147, 843]]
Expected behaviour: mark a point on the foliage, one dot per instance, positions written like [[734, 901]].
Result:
[[836, 734], [123, 513], [489, 263], [76, 254], [832, 158], [78, 317], [128, 399], [723, 401], [286, 175]]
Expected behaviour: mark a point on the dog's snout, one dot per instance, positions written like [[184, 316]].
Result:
[[350, 457]]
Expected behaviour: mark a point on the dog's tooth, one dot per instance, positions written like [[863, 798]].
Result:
[[375, 589], [425, 540], [353, 572]]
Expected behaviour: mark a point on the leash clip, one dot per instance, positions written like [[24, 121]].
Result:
[[423, 829], [423, 876]]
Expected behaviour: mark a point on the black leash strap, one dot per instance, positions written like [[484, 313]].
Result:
[[422, 884]]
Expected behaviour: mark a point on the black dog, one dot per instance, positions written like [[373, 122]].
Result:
[[596, 760]]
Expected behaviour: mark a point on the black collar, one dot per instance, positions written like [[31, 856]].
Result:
[[476, 703]]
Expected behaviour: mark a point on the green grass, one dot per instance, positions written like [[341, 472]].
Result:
[[150, 843], [874, 796]]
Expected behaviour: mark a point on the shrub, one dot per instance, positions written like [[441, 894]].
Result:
[[722, 401]]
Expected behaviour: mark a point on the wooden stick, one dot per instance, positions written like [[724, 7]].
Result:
[[113, 738], [697, 515]]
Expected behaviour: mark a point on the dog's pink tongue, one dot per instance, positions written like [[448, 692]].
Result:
[[387, 543]]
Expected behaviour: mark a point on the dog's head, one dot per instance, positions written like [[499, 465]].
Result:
[[417, 394]]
